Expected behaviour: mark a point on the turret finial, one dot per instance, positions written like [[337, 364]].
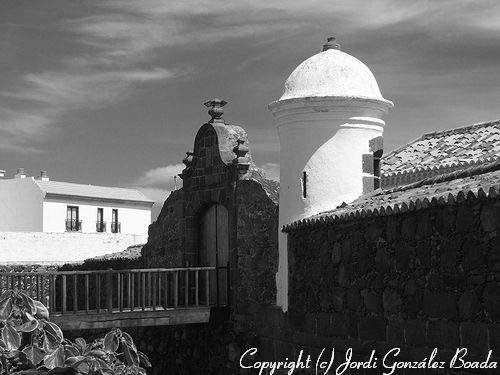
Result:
[[330, 44], [216, 110]]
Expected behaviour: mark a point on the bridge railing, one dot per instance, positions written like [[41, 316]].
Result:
[[108, 291]]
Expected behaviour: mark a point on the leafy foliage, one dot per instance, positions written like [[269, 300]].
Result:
[[30, 344]]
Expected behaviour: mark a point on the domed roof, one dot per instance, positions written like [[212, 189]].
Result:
[[331, 73]]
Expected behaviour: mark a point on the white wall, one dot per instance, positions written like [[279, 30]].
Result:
[[20, 205], [43, 248], [325, 137], [134, 219]]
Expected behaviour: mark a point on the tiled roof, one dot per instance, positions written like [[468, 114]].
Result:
[[449, 148], [91, 191], [477, 182]]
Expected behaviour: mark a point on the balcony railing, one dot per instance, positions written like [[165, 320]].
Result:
[[116, 227], [100, 226], [73, 225], [107, 291]]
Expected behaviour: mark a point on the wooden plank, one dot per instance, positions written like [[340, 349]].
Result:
[[37, 287], [149, 288], [70, 273], [129, 291], [53, 293], [176, 288], [186, 288], [87, 297], [63, 291], [166, 289], [207, 287], [98, 292], [75, 295], [109, 291], [143, 290], [152, 286], [136, 319], [132, 293], [120, 292], [159, 288], [196, 288]]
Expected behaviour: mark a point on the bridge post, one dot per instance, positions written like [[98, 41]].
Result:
[[109, 290], [228, 284]]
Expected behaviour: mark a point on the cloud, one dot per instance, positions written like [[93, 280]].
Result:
[[272, 171], [158, 183], [121, 44], [161, 177], [19, 129], [72, 90]]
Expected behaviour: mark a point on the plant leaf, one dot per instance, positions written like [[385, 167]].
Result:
[[54, 359], [111, 342], [79, 363], [131, 358], [5, 295], [5, 308], [72, 350], [81, 344], [129, 341], [50, 343], [144, 359], [54, 331], [11, 338], [28, 302], [34, 354], [41, 310], [62, 371], [97, 353], [28, 326]]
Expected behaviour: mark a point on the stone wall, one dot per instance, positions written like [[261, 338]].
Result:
[[220, 171], [185, 349], [256, 252], [419, 280], [60, 248], [208, 179], [166, 235]]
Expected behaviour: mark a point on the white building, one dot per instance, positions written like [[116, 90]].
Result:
[[330, 127], [67, 221]]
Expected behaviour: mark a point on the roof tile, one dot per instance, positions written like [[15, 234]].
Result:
[[91, 191]]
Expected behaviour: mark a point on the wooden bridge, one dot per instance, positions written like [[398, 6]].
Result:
[[125, 298]]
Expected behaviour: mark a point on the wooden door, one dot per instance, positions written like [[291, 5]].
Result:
[[214, 249]]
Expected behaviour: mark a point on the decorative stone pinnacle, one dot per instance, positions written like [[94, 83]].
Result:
[[241, 149], [330, 44], [241, 161], [188, 160], [215, 110]]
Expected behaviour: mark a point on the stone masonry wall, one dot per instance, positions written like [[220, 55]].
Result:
[[166, 235], [419, 280], [185, 349], [257, 248]]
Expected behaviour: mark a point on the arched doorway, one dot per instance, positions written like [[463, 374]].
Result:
[[214, 249]]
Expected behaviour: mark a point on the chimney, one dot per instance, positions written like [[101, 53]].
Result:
[[44, 176], [20, 173]]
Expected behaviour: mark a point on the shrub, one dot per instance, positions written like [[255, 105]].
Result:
[[30, 344], [130, 258]]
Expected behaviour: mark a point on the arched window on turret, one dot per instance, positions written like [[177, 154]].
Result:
[[377, 155], [304, 184], [372, 164]]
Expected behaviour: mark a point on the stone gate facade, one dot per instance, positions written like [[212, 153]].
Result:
[[220, 170]]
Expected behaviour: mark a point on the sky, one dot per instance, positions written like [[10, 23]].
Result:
[[111, 92]]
